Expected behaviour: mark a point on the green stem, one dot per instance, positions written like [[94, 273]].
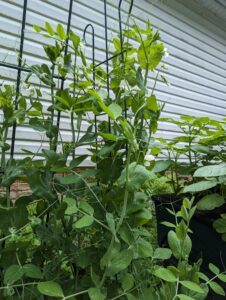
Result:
[[3, 150], [177, 286], [74, 295], [73, 134], [123, 214]]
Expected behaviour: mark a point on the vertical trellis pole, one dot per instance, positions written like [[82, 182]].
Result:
[[107, 54], [93, 63], [65, 53], [20, 57]]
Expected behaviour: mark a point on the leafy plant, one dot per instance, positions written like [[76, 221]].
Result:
[[201, 142], [88, 233]]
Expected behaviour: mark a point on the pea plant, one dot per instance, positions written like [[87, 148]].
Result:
[[88, 233]]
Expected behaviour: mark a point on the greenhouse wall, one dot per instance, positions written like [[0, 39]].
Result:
[[196, 65]]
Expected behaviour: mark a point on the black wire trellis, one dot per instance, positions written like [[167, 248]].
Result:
[[21, 69]]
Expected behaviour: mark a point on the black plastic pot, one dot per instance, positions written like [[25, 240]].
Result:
[[206, 242]]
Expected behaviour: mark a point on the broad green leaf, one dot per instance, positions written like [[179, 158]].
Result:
[[162, 253], [49, 29], [127, 282], [211, 171], [152, 103], [115, 109], [60, 31], [200, 186], [144, 248], [165, 274], [137, 175], [111, 252], [109, 136], [85, 221], [32, 271], [161, 165], [191, 286], [86, 207], [120, 262], [210, 202], [150, 56], [50, 288], [70, 179], [214, 269], [95, 294], [174, 244], [200, 148], [71, 206], [216, 288], [184, 297], [63, 101], [13, 274], [75, 40]]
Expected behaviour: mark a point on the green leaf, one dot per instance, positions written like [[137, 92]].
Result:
[[165, 275], [86, 207], [95, 294], [109, 136], [137, 175], [71, 206], [75, 40], [168, 224], [144, 248], [84, 222], [210, 202], [77, 161], [184, 297], [211, 171], [216, 288], [161, 165], [13, 274], [127, 282], [200, 186], [220, 225], [32, 271], [60, 31], [111, 222], [140, 79], [115, 109], [222, 277], [150, 56], [152, 103], [50, 288], [49, 29], [214, 269], [191, 286], [119, 262], [174, 244], [37, 28], [162, 253], [70, 179]]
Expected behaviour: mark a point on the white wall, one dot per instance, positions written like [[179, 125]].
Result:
[[196, 65]]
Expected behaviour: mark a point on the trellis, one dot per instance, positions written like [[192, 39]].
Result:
[[21, 69]]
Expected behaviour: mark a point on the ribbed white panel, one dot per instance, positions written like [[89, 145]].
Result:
[[196, 65]]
